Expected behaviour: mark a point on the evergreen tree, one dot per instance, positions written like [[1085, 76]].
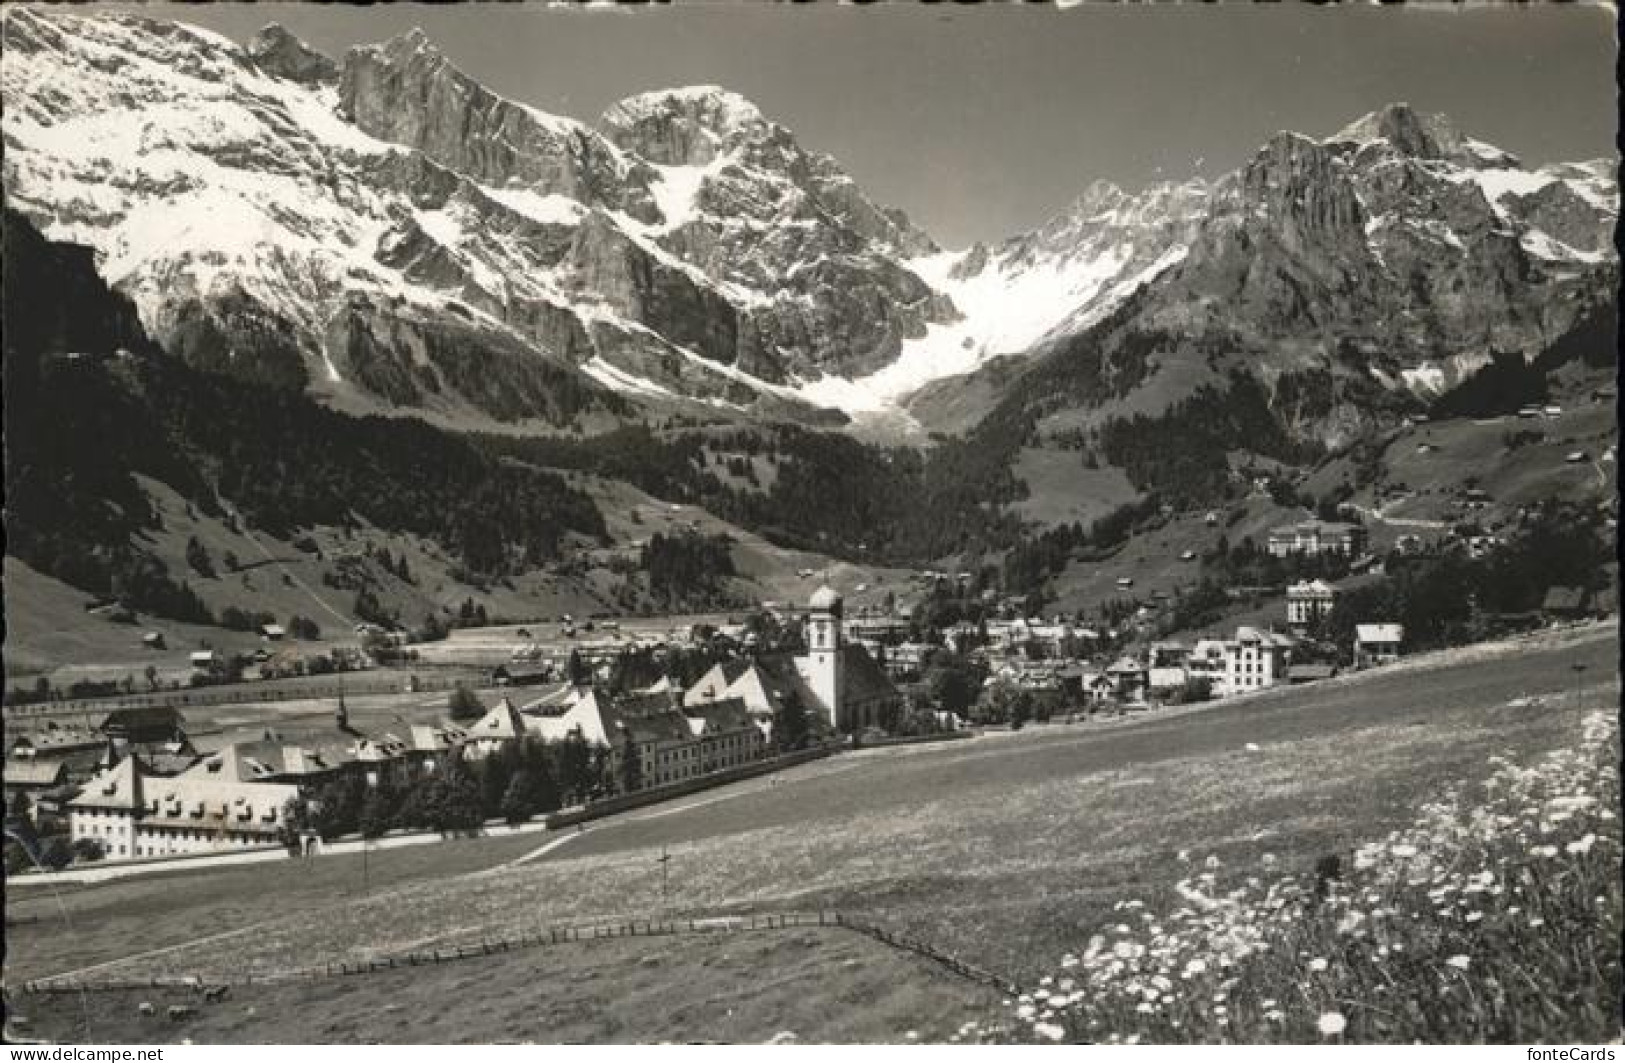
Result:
[[631, 763], [452, 800], [197, 555], [377, 811], [494, 774], [519, 801], [792, 724], [577, 668], [463, 705]]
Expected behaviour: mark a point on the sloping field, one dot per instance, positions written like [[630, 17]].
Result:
[[731, 988], [1007, 850]]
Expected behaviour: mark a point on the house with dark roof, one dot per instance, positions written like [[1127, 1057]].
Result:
[[1564, 603], [148, 723], [32, 776], [522, 674], [1310, 673]]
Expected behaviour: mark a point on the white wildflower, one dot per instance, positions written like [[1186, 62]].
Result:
[[1331, 1023]]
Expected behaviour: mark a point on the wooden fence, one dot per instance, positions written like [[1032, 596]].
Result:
[[257, 691], [636, 928]]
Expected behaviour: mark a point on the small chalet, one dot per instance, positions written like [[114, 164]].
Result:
[[521, 674], [151, 723], [1309, 673], [1376, 644], [1564, 603]]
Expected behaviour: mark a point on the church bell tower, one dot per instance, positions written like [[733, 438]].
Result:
[[824, 652]]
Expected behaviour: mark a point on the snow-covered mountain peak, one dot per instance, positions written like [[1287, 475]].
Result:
[[281, 54], [1402, 129]]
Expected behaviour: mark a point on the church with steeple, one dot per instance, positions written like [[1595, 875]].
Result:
[[838, 682]]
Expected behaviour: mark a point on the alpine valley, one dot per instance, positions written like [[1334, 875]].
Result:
[[363, 313]]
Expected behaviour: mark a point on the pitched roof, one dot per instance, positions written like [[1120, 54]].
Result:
[[667, 726], [142, 718], [373, 750], [164, 763], [1562, 598], [426, 737], [1379, 633], [119, 787], [204, 798], [32, 771], [59, 740], [825, 597], [646, 704], [502, 722], [720, 717], [861, 678], [716, 681], [257, 761], [1314, 527]]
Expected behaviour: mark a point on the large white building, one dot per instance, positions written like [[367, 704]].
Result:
[[220, 804], [1252, 660], [1313, 537], [1308, 603], [673, 743]]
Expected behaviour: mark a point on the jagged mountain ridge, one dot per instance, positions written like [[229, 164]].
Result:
[[382, 229], [1383, 264]]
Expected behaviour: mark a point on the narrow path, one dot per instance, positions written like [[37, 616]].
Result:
[[286, 571]]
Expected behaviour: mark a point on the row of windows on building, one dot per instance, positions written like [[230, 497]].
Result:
[[159, 841], [683, 763]]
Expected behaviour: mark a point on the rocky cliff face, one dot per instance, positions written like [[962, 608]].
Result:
[[383, 230], [275, 213], [1397, 254]]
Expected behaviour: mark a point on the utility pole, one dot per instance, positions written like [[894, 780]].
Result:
[[1579, 688], [665, 868]]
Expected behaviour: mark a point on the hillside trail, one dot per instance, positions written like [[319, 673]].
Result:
[[271, 558]]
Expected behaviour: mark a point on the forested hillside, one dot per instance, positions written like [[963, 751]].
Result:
[[91, 404]]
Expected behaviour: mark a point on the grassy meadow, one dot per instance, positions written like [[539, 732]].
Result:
[[1016, 851]]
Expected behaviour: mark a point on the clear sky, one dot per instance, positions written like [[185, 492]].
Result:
[[982, 121]]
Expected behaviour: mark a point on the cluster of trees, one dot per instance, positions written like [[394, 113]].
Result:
[[235, 619], [395, 566], [197, 556], [1183, 454], [80, 430], [1246, 564], [516, 783], [1005, 702], [51, 847], [686, 565], [463, 705], [1449, 599]]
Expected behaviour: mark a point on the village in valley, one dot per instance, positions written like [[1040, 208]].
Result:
[[563, 719], [510, 540]]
